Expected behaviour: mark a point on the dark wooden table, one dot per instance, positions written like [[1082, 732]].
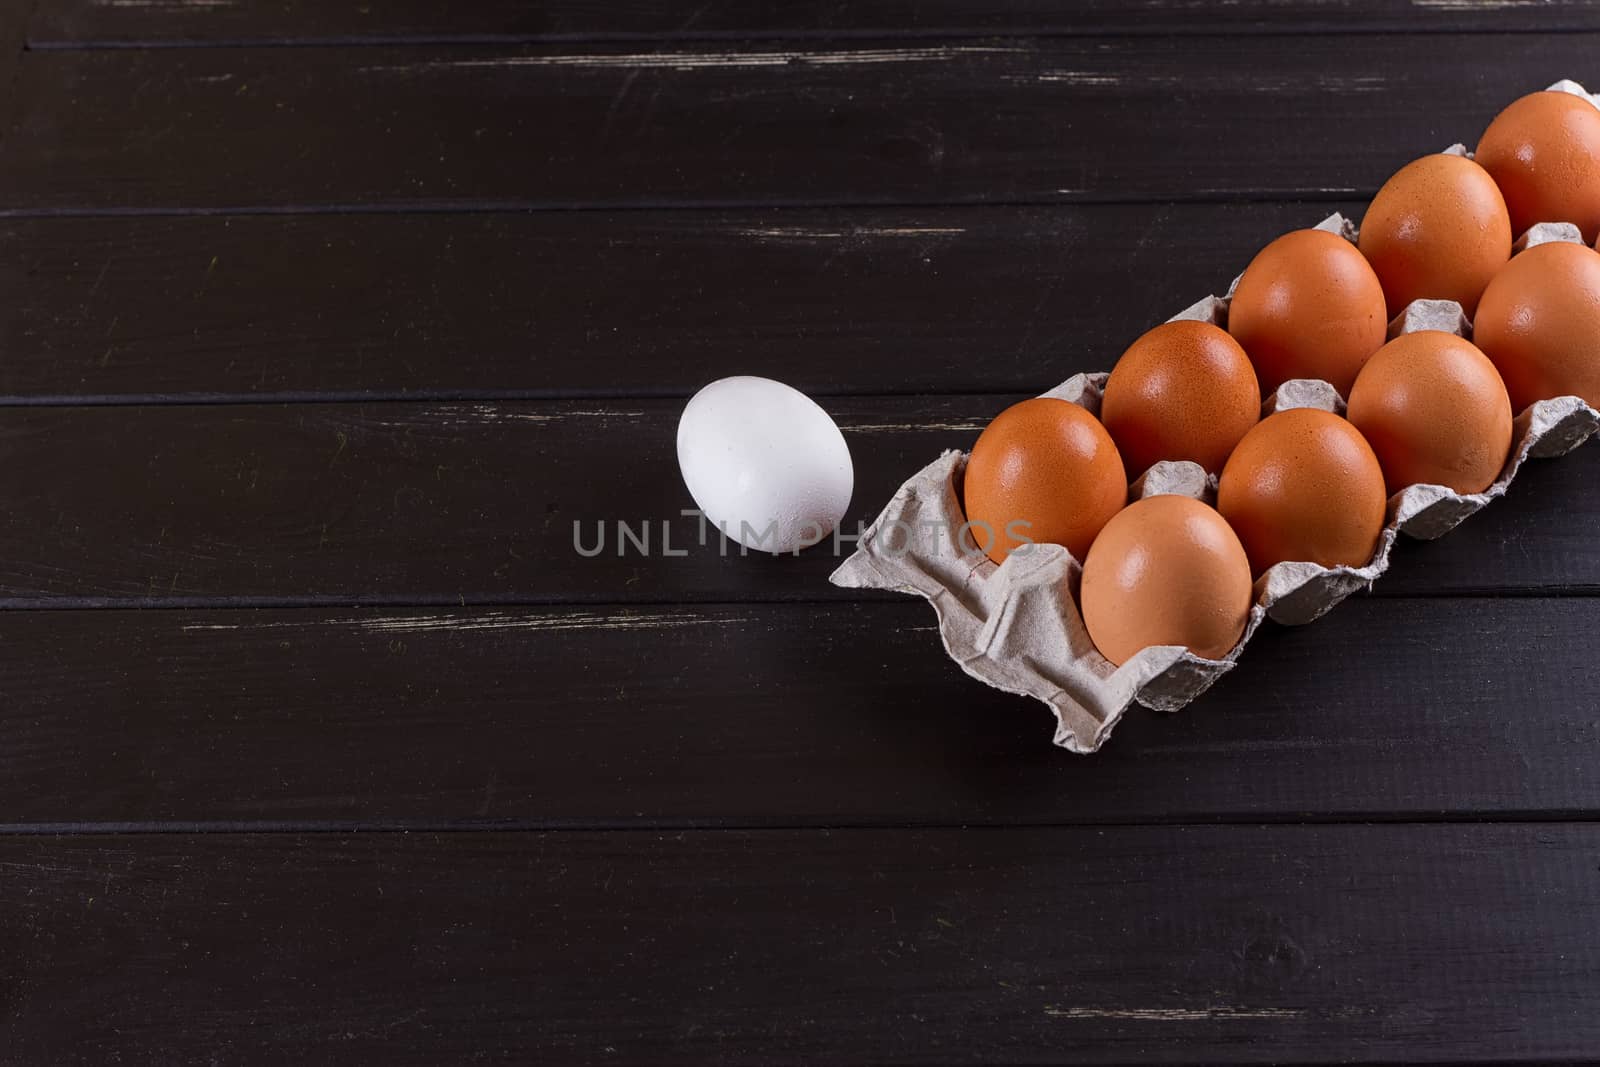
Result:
[[323, 321]]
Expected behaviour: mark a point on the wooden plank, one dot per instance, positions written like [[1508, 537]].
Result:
[[1170, 945], [989, 299], [454, 503], [736, 715], [420, 503], [1052, 120], [74, 23]]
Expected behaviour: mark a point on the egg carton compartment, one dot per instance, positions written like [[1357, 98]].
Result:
[[1016, 625]]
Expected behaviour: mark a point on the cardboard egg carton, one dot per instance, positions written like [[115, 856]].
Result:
[[1016, 625]]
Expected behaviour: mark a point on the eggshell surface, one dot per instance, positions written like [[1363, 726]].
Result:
[[1435, 412], [1437, 230], [764, 463], [1539, 321], [1308, 306], [1167, 570], [1183, 391], [1304, 485], [1044, 471], [1544, 153]]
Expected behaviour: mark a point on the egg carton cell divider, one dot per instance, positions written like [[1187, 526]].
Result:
[[1016, 625]]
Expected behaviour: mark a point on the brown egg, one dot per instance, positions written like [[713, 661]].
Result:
[[1539, 321], [1544, 153], [1166, 571], [1185, 390], [1437, 230], [1044, 471], [1304, 485], [1308, 306], [1435, 412]]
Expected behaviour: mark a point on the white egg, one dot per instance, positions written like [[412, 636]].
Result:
[[764, 463]]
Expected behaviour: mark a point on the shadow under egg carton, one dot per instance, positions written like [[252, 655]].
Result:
[[1016, 625]]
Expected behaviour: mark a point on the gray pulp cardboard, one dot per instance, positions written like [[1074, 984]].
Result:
[[1016, 625]]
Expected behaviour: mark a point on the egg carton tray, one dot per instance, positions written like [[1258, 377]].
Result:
[[1016, 625]]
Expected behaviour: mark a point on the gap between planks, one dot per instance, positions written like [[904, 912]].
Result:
[[425, 602], [1533, 822], [479, 403], [820, 37], [1066, 197]]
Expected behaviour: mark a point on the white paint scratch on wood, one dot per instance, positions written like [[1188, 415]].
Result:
[[910, 231], [173, 4], [686, 61], [1475, 5], [1170, 1015], [568, 620], [1080, 77], [1342, 190], [454, 414], [1334, 82], [1362, 83], [793, 233], [490, 620], [954, 426], [800, 233]]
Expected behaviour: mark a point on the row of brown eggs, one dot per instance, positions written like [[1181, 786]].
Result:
[[1304, 484]]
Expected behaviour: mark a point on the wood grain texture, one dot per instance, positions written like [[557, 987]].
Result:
[[762, 715], [465, 795], [74, 23], [964, 121], [453, 503], [988, 299], [1235, 944]]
